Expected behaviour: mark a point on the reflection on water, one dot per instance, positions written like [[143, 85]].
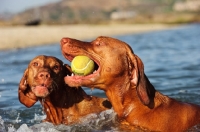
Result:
[[171, 59]]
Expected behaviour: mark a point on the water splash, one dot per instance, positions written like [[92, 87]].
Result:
[[43, 109], [17, 119], [11, 128], [24, 128], [2, 126], [38, 118], [104, 121], [91, 90]]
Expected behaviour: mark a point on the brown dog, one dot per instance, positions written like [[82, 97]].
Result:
[[43, 80], [121, 75]]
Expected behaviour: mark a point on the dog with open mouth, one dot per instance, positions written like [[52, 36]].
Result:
[[120, 73], [43, 80]]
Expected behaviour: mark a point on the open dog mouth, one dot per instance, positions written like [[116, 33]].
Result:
[[79, 80], [41, 90]]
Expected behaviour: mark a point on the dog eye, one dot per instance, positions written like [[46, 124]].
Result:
[[35, 64], [56, 67], [97, 43]]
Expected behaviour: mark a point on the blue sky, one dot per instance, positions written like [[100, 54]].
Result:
[[15, 6]]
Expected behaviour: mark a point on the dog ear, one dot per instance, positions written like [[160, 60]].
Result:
[[145, 89], [23, 81], [25, 95], [67, 70]]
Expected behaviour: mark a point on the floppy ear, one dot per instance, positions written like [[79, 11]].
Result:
[[145, 89], [25, 95], [67, 70]]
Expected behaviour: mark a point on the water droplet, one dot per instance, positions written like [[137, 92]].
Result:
[[17, 119], [91, 91], [43, 100]]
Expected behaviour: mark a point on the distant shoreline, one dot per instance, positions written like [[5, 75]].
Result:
[[22, 36]]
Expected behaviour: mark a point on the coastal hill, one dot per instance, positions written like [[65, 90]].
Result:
[[107, 11]]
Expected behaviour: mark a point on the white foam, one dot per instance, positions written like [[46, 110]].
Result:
[[2, 126], [105, 120]]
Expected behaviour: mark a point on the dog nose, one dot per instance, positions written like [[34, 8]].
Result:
[[44, 75], [64, 41]]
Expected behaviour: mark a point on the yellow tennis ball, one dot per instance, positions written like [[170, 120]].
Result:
[[82, 65]]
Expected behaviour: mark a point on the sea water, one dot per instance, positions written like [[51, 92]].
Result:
[[172, 63]]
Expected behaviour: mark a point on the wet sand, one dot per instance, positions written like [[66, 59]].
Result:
[[22, 36]]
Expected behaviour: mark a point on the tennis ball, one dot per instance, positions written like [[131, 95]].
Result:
[[82, 65]]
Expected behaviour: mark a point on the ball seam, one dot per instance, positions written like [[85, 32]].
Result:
[[82, 68]]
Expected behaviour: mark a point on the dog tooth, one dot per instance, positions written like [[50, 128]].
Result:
[[95, 71], [72, 74]]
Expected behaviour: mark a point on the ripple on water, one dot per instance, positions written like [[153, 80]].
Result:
[[171, 59]]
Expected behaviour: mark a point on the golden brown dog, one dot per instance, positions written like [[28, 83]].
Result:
[[121, 75], [43, 80]]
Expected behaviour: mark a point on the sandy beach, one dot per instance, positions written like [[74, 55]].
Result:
[[22, 36]]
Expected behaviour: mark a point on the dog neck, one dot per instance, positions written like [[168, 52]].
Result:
[[66, 96], [60, 101], [125, 99]]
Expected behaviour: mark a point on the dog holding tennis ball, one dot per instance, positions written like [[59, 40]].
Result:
[[82, 65], [121, 75]]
